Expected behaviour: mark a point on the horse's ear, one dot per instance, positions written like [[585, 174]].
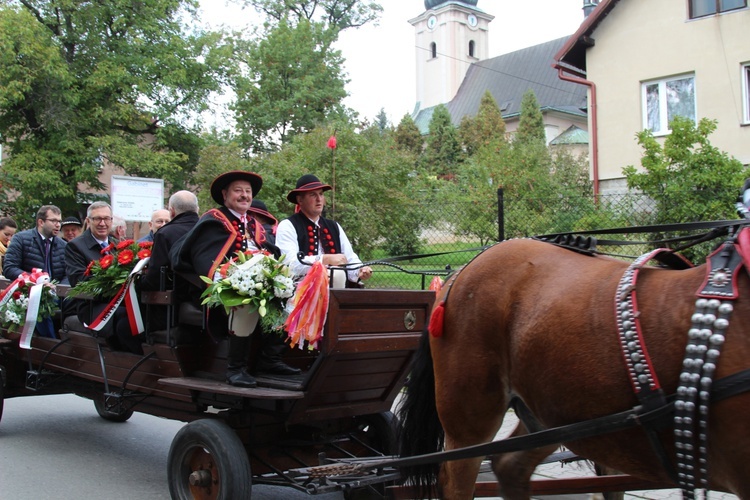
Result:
[[436, 320]]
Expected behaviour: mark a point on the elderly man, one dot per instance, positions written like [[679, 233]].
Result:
[[158, 219], [119, 228], [308, 233], [182, 215], [217, 235], [78, 254], [71, 228]]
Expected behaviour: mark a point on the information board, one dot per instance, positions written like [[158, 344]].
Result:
[[135, 198]]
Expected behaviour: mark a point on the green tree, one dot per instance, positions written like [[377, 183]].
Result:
[[408, 136], [335, 14], [286, 84], [220, 153], [98, 81], [370, 176], [443, 151], [488, 125], [531, 123], [688, 178], [381, 120]]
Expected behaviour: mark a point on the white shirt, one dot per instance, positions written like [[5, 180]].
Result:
[[286, 240]]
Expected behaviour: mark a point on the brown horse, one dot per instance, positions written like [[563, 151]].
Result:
[[536, 321]]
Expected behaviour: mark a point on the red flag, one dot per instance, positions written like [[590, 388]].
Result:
[[332, 142]]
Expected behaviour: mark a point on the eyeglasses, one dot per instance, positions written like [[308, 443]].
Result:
[[54, 221], [97, 220]]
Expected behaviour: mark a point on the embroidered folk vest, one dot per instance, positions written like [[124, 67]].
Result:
[[309, 236]]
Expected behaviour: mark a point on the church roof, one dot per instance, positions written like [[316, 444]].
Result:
[[508, 77]]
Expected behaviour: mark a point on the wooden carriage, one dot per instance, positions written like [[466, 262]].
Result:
[[338, 407]]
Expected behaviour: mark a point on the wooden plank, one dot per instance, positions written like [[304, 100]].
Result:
[[562, 486], [207, 385], [375, 343], [351, 383]]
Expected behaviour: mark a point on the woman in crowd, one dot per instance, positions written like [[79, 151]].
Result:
[[7, 229]]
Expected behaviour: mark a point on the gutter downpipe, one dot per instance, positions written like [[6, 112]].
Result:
[[592, 107]]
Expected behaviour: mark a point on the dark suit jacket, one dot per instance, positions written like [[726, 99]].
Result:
[[79, 252], [164, 238]]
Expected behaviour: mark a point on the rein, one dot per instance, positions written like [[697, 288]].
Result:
[[724, 388]]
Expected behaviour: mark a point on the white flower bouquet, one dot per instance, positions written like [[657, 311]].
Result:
[[256, 280]]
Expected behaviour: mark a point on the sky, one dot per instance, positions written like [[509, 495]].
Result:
[[381, 60]]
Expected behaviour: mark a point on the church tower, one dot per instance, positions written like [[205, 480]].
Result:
[[450, 35]]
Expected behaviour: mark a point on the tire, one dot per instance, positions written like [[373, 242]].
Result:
[[209, 454], [110, 415], [380, 430]]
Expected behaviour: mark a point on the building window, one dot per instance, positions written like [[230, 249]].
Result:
[[433, 50], [662, 100], [701, 8], [471, 49], [746, 91]]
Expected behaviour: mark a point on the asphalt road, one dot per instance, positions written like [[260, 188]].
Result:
[[57, 447]]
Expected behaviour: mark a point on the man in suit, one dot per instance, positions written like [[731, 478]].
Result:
[[78, 254], [220, 233], [182, 216], [39, 248]]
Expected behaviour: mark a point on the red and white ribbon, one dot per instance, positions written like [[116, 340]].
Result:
[[126, 292], [39, 279]]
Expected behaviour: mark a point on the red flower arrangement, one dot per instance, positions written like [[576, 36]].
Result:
[[103, 278]]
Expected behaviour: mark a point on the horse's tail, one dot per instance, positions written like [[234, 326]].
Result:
[[420, 429]]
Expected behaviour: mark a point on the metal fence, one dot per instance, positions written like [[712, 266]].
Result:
[[459, 231]]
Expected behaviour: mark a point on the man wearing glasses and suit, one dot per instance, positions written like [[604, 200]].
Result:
[[39, 248], [78, 254]]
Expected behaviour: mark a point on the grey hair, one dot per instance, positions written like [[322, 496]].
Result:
[[183, 201], [97, 204]]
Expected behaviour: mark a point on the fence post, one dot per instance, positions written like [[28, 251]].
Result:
[[500, 216]]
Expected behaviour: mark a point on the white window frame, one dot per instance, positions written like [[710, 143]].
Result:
[[745, 83], [663, 108]]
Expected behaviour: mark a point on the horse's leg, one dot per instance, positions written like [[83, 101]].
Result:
[[514, 469], [458, 477], [603, 470], [471, 410]]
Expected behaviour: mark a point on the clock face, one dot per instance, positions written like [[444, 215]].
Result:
[[472, 20], [432, 22]]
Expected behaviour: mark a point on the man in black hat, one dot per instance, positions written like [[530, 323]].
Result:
[[71, 228], [220, 233], [315, 237]]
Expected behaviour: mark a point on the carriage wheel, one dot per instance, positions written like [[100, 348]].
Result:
[[208, 461], [110, 415], [380, 430]]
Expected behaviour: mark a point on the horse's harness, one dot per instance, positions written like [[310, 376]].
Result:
[[706, 336]]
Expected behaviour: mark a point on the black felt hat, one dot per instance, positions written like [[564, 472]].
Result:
[[71, 220], [307, 182], [258, 207], [222, 181]]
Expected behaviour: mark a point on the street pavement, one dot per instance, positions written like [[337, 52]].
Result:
[[57, 447]]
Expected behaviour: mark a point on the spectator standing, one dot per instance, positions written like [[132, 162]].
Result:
[[7, 229], [71, 228], [158, 219]]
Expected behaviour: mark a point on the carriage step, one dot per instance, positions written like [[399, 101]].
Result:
[[218, 387]]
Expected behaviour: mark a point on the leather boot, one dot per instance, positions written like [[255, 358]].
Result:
[[237, 363], [269, 360]]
